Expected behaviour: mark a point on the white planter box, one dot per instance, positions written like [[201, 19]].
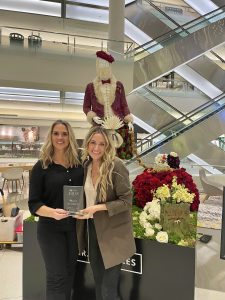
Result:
[[8, 227]]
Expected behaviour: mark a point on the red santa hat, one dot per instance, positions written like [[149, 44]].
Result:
[[104, 55]]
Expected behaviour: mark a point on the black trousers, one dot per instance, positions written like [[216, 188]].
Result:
[[106, 280], [59, 250]]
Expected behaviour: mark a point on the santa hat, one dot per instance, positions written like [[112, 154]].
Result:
[[105, 56]]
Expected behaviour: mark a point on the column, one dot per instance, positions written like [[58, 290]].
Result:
[[116, 27]]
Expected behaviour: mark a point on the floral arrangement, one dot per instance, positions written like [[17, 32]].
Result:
[[126, 149], [154, 190]]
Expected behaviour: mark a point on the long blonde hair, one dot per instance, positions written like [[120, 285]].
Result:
[[107, 161], [47, 150]]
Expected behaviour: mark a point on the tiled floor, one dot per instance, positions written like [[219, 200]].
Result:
[[210, 269]]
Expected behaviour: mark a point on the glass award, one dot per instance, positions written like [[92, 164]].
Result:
[[73, 199]]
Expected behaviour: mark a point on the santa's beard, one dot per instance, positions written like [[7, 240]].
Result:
[[104, 73]]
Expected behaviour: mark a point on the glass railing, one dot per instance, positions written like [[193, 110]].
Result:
[[178, 33], [173, 85], [159, 101], [180, 125], [59, 42]]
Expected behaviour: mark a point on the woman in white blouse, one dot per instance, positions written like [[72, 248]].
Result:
[[108, 202]]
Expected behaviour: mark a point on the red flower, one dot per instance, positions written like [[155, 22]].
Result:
[[146, 183]]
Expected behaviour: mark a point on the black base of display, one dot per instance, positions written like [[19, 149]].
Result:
[[156, 272]]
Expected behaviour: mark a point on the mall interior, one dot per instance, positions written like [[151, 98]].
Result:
[[170, 57]]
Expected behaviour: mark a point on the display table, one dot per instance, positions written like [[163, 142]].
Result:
[[156, 272]]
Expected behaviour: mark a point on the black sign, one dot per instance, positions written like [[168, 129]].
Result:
[[133, 264]]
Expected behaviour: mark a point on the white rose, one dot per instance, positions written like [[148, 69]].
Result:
[[158, 226], [143, 216], [149, 232], [147, 205], [162, 237], [147, 225]]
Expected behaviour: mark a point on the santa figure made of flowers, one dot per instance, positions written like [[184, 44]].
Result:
[[105, 105]]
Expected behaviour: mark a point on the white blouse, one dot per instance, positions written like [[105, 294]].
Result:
[[89, 188]]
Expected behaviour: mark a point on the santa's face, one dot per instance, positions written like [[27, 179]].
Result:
[[105, 73], [103, 69]]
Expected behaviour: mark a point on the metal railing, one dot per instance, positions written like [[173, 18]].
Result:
[[61, 42]]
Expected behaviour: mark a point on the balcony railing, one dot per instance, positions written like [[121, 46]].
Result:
[[60, 42]]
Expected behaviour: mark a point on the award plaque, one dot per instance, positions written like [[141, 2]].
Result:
[[73, 198]]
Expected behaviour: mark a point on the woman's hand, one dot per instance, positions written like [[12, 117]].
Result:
[[59, 214], [55, 213], [89, 211]]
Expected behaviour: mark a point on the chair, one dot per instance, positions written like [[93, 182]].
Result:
[[16, 39], [13, 175], [210, 188], [34, 40]]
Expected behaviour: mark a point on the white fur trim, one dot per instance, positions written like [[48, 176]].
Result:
[[90, 116], [112, 88], [128, 118]]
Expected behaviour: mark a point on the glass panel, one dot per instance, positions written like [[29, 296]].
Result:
[[56, 42], [178, 33], [184, 123]]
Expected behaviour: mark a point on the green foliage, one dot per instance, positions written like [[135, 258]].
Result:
[[30, 219]]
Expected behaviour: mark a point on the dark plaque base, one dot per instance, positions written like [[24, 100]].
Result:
[[156, 272]]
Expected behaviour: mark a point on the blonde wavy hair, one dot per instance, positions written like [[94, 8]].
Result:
[[107, 161], [47, 150]]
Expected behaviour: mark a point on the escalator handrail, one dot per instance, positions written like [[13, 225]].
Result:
[[218, 56], [172, 32]]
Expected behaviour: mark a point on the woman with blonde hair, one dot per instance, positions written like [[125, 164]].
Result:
[[108, 201], [58, 165]]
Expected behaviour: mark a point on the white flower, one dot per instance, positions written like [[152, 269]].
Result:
[[147, 205], [174, 154], [162, 237], [149, 232], [147, 225], [154, 210], [161, 159], [36, 219], [158, 226], [143, 218]]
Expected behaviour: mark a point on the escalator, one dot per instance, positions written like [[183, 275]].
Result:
[[191, 134], [173, 48], [159, 107], [149, 18], [208, 69]]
